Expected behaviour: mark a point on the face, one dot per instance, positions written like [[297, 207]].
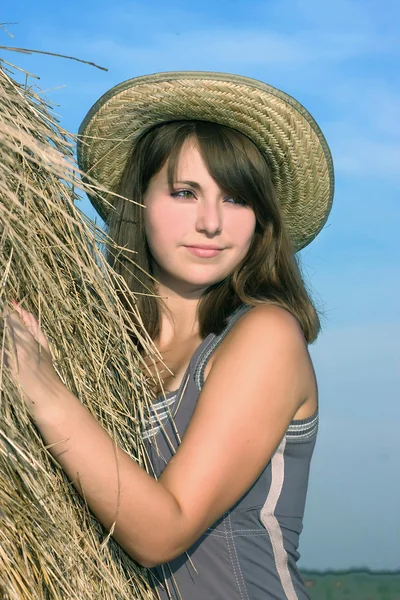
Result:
[[196, 233]]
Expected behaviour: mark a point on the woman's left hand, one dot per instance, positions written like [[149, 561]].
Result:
[[28, 358]]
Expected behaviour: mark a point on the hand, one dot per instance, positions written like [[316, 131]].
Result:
[[28, 358]]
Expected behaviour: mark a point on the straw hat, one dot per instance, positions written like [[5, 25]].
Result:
[[286, 134]]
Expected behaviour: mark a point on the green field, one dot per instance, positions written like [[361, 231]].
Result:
[[352, 585]]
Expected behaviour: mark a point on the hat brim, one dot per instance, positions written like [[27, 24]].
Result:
[[287, 135]]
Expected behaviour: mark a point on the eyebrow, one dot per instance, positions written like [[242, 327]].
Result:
[[192, 184]]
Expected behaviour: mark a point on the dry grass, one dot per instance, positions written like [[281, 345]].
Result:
[[51, 547]]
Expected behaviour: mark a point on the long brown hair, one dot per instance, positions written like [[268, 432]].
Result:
[[268, 274]]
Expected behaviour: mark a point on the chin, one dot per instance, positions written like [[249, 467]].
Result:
[[190, 276], [203, 280]]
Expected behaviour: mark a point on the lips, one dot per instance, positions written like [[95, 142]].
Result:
[[205, 246], [204, 251]]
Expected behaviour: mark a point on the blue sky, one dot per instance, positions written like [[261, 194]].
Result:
[[340, 59]]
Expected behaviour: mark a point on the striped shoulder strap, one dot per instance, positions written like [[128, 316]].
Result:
[[213, 343]]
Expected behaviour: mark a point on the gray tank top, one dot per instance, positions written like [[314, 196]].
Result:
[[250, 553]]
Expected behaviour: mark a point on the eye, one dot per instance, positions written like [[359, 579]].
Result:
[[186, 194], [238, 201]]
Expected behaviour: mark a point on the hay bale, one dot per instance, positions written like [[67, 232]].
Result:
[[51, 547]]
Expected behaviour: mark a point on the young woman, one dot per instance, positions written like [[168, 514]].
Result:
[[235, 176]]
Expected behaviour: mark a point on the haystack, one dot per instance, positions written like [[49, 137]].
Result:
[[52, 258]]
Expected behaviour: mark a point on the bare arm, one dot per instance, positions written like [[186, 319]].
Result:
[[257, 383]]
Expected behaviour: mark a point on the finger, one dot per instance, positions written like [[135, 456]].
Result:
[[21, 312], [36, 331], [7, 311], [32, 324], [8, 359], [15, 324], [11, 346]]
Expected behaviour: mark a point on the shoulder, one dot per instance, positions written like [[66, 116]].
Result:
[[267, 325], [265, 342]]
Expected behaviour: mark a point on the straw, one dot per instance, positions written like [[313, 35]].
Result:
[[52, 261]]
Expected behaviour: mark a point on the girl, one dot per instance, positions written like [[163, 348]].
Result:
[[235, 176]]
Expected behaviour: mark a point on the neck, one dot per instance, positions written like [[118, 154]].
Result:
[[179, 317]]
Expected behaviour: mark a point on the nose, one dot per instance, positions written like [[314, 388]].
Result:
[[209, 217]]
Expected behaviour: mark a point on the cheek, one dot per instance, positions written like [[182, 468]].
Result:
[[163, 226], [243, 227]]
